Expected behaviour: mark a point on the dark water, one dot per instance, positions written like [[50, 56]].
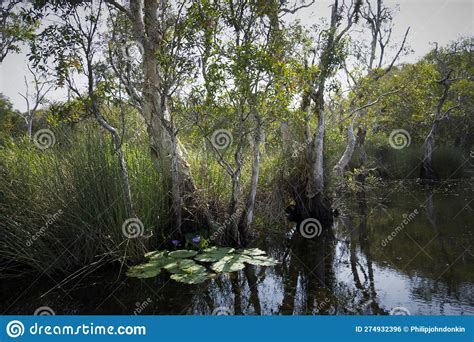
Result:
[[426, 268]]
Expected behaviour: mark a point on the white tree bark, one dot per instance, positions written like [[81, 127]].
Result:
[[376, 19], [121, 160], [42, 87], [167, 152], [427, 171], [317, 155], [341, 165], [247, 217]]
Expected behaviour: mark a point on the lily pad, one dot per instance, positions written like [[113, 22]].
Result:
[[252, 251], [229, 263], [145, 274], [178, 265], [224, 250], [156, 254], [186, 270], [190, 278], [160, 261], [261, 260], [235, 262], [213, 254], [189, 273], [194, 269], [148, 270], [182, 253]]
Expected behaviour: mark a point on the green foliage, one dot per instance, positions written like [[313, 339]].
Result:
[[68, 112], [16, 26], [412, 93], [414, 105], [7, 119], [81, 182]]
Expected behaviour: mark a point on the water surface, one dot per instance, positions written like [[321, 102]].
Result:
[[425, 267]]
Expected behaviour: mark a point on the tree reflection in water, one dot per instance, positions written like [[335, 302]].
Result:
[[427, 267]]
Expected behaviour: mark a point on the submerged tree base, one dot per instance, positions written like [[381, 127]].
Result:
[[317, 208], [427, 174]]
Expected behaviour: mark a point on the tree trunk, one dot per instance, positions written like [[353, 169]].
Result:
[[121, 160], [236, 178], [29, 125], [94, 108], [175, 184], [287, 142], [318, 166], [314, 205], [317, 147], [167, 152], [316, 156], [169, 158], [361, 134], [125, 179], [341, 165], [234, 201], [252, 280], [247, 215], [427, 171]]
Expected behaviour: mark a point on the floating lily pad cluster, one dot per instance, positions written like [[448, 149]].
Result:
[[191, 267]]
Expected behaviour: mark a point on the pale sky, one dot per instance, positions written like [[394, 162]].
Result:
[[431, 21]]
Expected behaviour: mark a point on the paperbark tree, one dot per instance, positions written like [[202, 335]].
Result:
[[35, 98], [244, 22], [160, 29], [242, 44], [447, 78], [380, 23], [313, 204], [72, 42], [272, 11]]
